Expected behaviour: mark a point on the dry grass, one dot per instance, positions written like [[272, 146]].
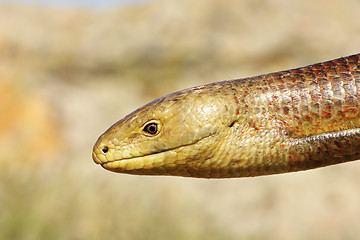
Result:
[[67, 74]]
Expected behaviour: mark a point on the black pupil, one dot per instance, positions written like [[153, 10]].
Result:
[[105, 149], [151, 128]]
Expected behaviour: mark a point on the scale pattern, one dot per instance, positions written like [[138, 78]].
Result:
[[280, 122]]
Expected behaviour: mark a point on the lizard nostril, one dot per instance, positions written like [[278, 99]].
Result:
[[105, 149]]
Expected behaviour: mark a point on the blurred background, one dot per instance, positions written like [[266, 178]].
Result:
[[70, 69]]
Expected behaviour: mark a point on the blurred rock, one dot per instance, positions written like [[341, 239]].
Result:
[[28, 127], [166, 39]]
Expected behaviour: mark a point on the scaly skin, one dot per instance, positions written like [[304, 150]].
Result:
[[275, 123]]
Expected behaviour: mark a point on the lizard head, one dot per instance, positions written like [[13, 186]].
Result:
[[168, 136]]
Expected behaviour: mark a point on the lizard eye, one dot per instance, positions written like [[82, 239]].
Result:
[[151, 128]]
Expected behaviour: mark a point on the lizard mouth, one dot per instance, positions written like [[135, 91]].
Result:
[[142, 163], [146, 161], [96, 159]]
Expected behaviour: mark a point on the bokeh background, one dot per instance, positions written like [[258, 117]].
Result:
[[68, 70]]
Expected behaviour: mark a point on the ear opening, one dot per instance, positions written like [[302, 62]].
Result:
[[232, 124]]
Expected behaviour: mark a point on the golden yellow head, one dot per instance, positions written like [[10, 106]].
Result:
[[165, 136]]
